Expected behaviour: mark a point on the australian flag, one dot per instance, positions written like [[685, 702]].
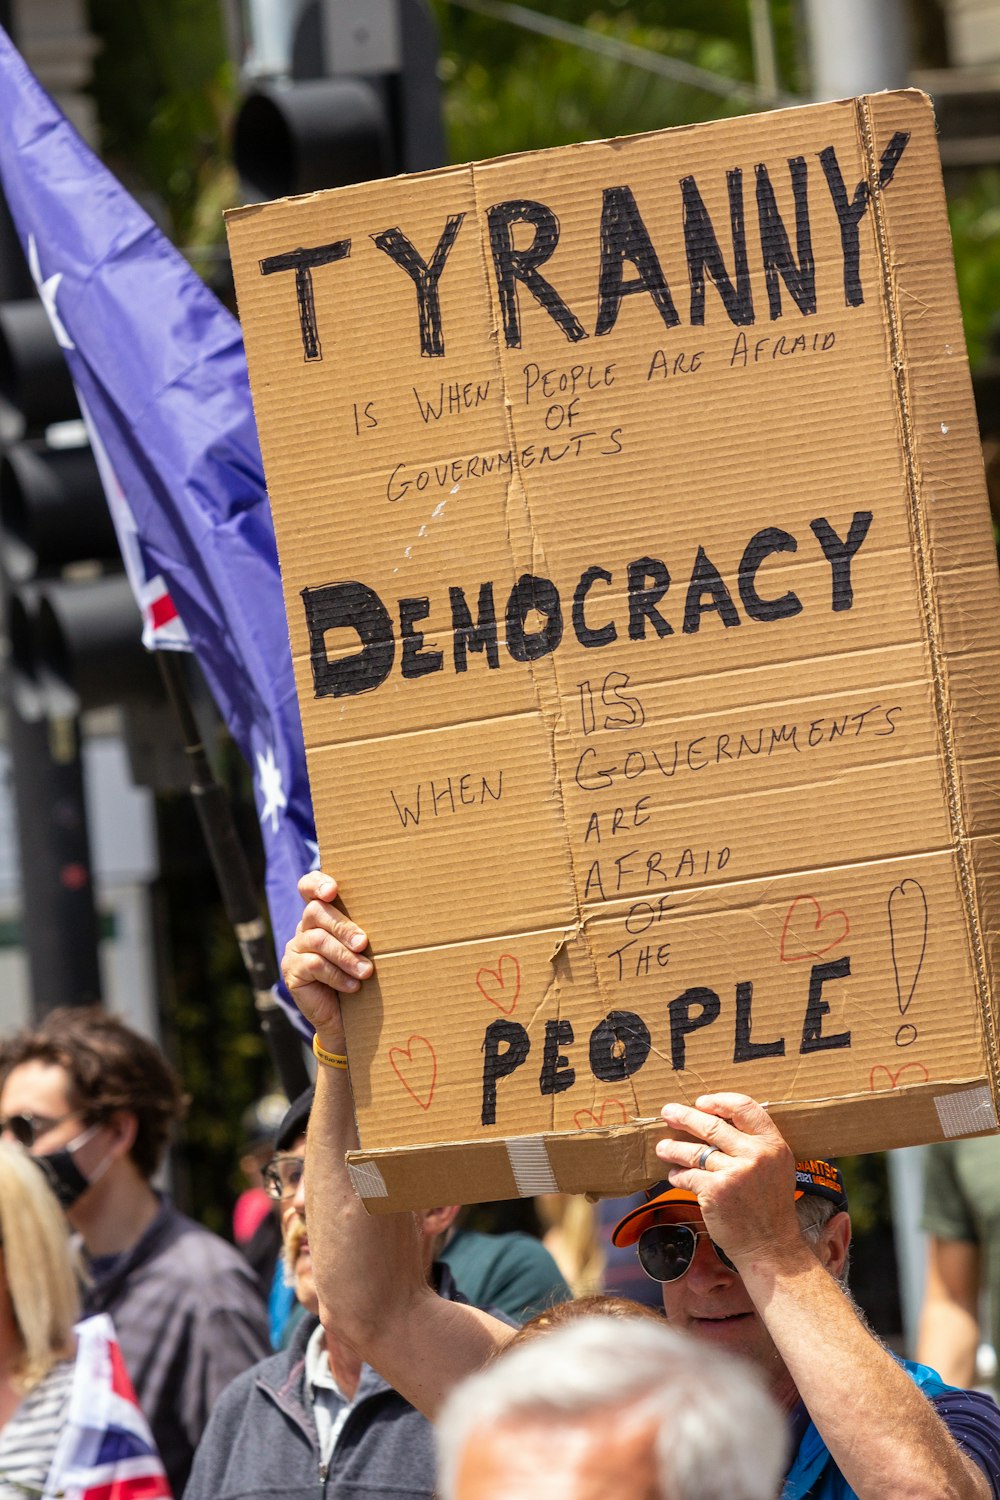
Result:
[[106, 1450], [160, 373]]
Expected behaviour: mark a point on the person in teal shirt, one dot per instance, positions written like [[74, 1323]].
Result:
[[513, 1272]]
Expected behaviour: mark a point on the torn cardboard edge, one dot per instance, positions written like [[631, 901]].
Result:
[[612, 1162], [921, 528]]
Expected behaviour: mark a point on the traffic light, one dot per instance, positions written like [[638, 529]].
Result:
[[58, 913], [350, 93], [74, 629]]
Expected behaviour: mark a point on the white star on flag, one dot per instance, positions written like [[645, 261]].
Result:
[[271, 789], [47, 292], [313, 848]]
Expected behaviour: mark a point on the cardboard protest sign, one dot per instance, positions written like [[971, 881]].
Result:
[[643, 604]]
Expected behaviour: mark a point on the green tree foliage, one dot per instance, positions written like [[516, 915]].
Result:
[[165, 91], [509, 89], [975, 229]]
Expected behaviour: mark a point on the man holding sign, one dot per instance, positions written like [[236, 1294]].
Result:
[[748, 1272]]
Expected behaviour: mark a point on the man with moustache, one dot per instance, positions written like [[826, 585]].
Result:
[[742, 1267], [314, 1412]]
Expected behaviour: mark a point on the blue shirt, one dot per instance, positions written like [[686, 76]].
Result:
[[972, 1419]]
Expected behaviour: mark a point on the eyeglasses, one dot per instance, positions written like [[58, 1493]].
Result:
[[666, 1250], [282, 1176], [26, 1127]]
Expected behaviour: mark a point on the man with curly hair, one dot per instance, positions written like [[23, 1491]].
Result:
[[94, 1102]]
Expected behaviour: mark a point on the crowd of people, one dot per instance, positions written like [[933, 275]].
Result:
[[411, 1354]]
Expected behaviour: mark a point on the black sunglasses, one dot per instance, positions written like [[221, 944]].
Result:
[[26, 1127], [666, 1250], [282, 1176]]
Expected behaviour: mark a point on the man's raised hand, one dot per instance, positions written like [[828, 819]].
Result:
[[324, 958], [740, 1168]]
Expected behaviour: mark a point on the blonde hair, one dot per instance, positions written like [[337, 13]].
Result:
[[38, 1266], [572, 1238]]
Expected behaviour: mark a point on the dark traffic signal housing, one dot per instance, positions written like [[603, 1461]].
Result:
[[74, 629], [358, 99]]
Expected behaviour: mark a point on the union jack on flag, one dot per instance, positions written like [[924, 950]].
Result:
[[106, 1451], [162, 627]]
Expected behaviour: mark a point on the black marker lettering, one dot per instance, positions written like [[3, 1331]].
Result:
[[511, 266], [704, 254], [416, 661], [840, 554], [744, 1050], [424, 277], [690, 1011], [303, 263], [532, 594], [467, 637], [624, 237], [619, 1046], [777, 252], [762, 544], [557, 1075], [813, 1039], [500, 1064], [706, 579], [348, 606], [587, 636], [642, 601], [851, 212]]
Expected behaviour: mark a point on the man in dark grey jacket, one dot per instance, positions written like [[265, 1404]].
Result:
[[314, 1414], [263, 1437]]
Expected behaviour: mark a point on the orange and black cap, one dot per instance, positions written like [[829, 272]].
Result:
[[814, 1178]]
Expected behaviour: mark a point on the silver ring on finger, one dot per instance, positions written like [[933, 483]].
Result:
[[704, 1154]]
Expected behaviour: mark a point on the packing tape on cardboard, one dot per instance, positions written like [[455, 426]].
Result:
[[966, 1112], [367, 1180], [529, 1162]]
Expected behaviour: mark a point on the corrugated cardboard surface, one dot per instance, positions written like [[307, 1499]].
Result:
[[641, 839]]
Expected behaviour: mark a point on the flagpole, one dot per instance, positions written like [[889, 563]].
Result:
[[236, 886]]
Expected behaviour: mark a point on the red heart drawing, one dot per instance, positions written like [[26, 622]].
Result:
[[497, 992], [419, 1078], [835, 934], [917, 1067], [591, 1119]]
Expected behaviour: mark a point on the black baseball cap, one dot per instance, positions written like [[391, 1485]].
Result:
[[295, 1121]]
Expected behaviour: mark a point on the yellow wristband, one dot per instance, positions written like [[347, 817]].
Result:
[[328, 1059]]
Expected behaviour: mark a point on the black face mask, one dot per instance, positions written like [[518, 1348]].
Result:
[[63, 1175]]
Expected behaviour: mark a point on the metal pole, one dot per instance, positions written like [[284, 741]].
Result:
[[765, 62], [856, 46], [906, 1194], [239, 896]]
